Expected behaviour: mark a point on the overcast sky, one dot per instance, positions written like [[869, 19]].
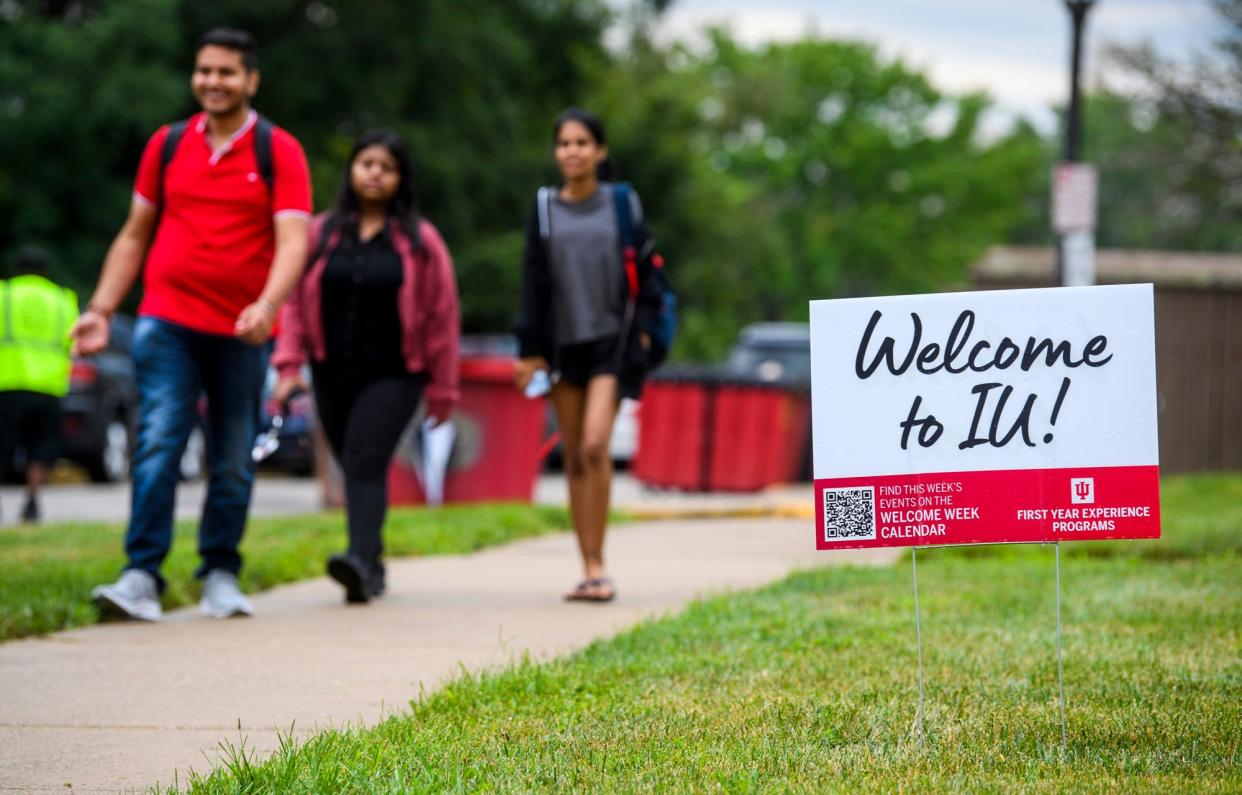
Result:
[[1017, 50]]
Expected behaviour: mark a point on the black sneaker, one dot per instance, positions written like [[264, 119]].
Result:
[[377, 579], [30, 514], [352, 573]]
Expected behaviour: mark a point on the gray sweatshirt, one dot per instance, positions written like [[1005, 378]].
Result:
[[586, 267]]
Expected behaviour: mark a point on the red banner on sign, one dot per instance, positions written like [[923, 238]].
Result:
[[988, 507]]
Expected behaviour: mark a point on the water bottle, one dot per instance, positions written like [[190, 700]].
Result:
[[539, 385]]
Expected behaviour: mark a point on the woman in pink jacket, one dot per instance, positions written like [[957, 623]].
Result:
[[377, 315]]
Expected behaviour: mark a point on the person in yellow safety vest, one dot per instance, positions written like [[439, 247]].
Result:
[[35, 317]]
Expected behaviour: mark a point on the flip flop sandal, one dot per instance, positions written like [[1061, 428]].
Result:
[[600, 585], [590, 591]]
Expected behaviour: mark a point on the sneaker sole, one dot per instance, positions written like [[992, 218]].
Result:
[[356, 591], [112, 605], [233, 612]]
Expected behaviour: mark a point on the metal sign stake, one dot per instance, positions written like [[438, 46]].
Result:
[[1060, 677], [918, 633]]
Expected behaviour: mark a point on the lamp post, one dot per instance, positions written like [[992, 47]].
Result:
[[1074, 184], [1073, 118]]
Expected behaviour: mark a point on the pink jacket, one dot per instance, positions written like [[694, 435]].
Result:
[[426, 305]]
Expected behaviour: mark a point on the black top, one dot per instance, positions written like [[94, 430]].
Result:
[[362, 330]]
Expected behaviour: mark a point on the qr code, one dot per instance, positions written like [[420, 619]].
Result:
[[849, 514]]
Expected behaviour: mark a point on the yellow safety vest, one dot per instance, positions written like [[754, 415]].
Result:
[[35, 317]]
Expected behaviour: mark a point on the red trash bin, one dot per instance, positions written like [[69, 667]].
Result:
[[495, 453], [673, 431], [758, 435]]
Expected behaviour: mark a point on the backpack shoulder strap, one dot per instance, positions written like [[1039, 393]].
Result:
[[543, 204], [175, 132], [625, 235], [263, 149], [625, 217]]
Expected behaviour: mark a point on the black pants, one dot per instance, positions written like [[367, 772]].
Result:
[[30, 420], [363, 421]]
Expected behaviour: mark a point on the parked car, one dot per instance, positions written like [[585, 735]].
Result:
[[780, 354], [294, 456], [296, 453], [777, 353], [101, 407], [100, 411]]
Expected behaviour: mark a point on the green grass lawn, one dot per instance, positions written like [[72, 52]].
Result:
[[810, 685], [47, 572]]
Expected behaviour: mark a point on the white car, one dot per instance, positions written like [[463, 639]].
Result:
[[624, 442]]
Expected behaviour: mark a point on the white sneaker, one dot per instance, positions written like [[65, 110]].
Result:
[[221, 596], [135, 595]]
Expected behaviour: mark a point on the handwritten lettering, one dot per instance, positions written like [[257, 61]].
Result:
[[932, 357]]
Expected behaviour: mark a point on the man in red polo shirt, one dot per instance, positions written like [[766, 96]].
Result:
[[219, 215]]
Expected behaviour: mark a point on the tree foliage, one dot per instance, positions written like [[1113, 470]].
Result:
[[807, 170], [83, 91], [1168, 141], [772, 176]]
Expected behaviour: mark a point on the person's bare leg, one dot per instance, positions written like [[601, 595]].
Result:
[[568, 401], [599, 412]]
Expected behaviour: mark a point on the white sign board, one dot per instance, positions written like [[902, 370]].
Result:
[[984, 416]]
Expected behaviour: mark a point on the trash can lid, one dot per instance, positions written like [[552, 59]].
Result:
[[498, 369], [714, 376], [687, 374]]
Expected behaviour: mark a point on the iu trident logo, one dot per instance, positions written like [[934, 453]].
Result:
[[1082, 491]]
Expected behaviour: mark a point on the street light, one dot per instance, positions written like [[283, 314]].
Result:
[[1073, 122], [1074, 184]]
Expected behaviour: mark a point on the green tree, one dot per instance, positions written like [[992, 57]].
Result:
[[772, 176], [474, 102], [85, 86], [807, 170], [1169, 145], [70, 129]]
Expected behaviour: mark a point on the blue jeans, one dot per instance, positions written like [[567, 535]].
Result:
[[174, 365]]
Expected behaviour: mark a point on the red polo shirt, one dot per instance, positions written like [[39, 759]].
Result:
[[214, 244]]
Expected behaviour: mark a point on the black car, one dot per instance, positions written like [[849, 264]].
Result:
[[779, 354], [101, 407], [100, 411], [296, 453], [774, 353]]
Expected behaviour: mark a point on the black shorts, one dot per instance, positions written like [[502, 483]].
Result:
[[30, 420], [582, 362]]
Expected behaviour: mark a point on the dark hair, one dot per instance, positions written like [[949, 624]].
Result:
[[594, 126], [404, 204], [232, 39], [31, 259]]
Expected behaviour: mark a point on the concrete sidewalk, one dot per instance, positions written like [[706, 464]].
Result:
[[123, 706], [276, 495], [109, 502]]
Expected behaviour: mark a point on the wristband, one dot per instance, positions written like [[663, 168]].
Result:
[[105, 314], [267, 306]]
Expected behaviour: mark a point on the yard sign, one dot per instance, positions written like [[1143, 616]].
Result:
[[985, 417]]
